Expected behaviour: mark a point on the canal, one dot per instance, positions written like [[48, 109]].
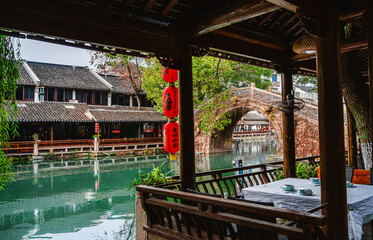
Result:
[[87, 198]]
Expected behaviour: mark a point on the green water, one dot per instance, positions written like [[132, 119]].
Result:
[[87, 199]]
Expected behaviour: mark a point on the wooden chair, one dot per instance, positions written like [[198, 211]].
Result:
[[349, 173]]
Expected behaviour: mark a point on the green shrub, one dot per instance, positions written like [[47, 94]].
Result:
[[303, 171], [151, 178]]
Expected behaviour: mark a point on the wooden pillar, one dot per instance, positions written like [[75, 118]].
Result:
[[332, 163], [52, 132], [186, 120], [370, 67], [288, 126], [352, 146]]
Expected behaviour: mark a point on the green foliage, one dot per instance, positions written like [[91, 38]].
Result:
[[212, 77], [151, 178], [8, 104], [35, 136], [306, 80], [303, 171]]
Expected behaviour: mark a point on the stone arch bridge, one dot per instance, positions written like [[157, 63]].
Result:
[[244, 100]]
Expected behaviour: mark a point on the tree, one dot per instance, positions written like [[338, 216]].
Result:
[[126, 67], [9, 58], [212, 78]]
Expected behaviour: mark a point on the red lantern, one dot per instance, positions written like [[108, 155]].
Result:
[[169, 75], [171, 102], [171, 137]]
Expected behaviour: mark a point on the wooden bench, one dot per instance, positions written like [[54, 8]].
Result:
[[181, 215]]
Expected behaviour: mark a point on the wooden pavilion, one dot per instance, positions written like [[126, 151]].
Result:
[[258, 32]]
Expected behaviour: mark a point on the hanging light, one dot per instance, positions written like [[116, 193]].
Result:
[[305, 44], [171, 101], [171, 110]]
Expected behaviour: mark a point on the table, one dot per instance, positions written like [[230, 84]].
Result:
[[359, 200]]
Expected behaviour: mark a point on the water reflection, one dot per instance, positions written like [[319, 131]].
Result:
[[87, 198]]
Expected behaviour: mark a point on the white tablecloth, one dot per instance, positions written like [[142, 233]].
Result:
[[359, 200]]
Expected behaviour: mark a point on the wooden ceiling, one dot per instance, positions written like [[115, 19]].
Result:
[[255, 31]]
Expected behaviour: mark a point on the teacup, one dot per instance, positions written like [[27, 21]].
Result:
[[305, 191], [287, 187], [349, 184], [315, 180]]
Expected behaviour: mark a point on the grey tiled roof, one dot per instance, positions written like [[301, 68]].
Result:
[[63, 76], [52, 112], [307, 89], [125, 114], [120, 85], [24, 77], [76, 112]]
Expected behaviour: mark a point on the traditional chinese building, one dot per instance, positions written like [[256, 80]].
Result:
[[64, 102]]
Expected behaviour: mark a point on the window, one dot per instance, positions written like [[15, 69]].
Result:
[[104, 98], [297, 94], [126, 100], [134, 101], [97, 98], [114, 99], [19, 93], [120, 100], [50, 94], [28, 93], [59, 95], [80, 96], [68, 95], [41, 94], [89, 97]]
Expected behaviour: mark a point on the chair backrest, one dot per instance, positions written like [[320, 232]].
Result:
[[349, 173]]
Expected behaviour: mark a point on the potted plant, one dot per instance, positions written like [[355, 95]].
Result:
[[95, 137], [35, 136], [151, 178]]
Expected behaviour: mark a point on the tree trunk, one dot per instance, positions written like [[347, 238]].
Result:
[[134, 87], [356, 92]]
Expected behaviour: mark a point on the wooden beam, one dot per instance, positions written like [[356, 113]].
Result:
[[288, 127], [331, 125], [226, 16], [352, 145], [294, 5], [64, 21], [278, 19], [354, 14], [239, 48], [253, 37], [286, 23], [186, 120], [168, 7], [149, 5], [370, 69]]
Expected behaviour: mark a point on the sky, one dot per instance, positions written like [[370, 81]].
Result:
[[32, 50]]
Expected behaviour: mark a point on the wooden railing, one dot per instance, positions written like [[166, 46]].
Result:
[[118, 141], [251, 132], [15, 148], [19, 147], [230, 181], [65, 143], [182, 215]]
